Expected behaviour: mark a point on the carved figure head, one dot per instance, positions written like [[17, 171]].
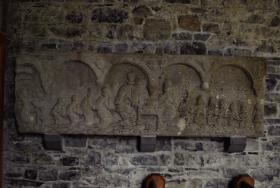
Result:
[[131, 77], [233, 107]]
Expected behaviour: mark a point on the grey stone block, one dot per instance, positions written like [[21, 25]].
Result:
[[147, 143], [52, 142], [235, 144]]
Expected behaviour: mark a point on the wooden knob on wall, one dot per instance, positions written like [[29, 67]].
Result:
[[154, 181]]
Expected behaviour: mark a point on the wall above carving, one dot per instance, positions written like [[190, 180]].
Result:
[[137, 94]]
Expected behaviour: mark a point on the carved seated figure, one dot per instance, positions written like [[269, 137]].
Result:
[[168, 101], [126, 100]]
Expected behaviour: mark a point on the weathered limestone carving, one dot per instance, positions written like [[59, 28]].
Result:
[[140, 94]]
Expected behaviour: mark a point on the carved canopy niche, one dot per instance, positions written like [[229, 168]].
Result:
[[121, 94]]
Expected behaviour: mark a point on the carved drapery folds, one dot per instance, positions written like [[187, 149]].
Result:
[[123, 94]]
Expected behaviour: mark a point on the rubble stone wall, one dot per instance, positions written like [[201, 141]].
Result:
[[204, 27]]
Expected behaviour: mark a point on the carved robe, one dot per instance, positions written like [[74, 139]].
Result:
[[169, 103], [126, 103], [211, 115], [199, 117]]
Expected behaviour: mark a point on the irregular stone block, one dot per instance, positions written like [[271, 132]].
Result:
[[211, 27], [147, 143], [144, 160], [157, 29], [74, 17], [70, 175], [62, 185], [48, 175], [275, 21], [75, 141], [30, 174], [142, 11], [235, 144], [94, 159], [274, 130], [52, 142], [137, 94], [182, 36], [69, 161], [109, 15], [201, 36], [189, 22]]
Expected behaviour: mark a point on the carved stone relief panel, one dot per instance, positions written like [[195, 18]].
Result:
[[137, 94]]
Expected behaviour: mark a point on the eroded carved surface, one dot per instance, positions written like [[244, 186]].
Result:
[[140, 94]]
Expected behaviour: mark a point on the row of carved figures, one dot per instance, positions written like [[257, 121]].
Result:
[[106, 108], [219, 112], [133, 95]]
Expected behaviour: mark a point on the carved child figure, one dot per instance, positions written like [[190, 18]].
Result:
[[88, 108], [105, 106], [73, 111], [59, 114]]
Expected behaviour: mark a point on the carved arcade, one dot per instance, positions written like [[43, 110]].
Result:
[[140, 95]]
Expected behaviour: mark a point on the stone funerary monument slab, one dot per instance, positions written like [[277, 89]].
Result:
[[137, 94]]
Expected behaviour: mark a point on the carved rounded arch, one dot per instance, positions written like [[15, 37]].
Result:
[[199, 72], [30, 72], [83, 64], [143, 68], [246, 73]]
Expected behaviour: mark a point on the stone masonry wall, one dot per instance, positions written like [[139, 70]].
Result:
[[208, 27]]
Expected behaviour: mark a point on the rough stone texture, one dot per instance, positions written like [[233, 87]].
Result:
[[111, 158], [189, 22], [156, 29], [221, 92]]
